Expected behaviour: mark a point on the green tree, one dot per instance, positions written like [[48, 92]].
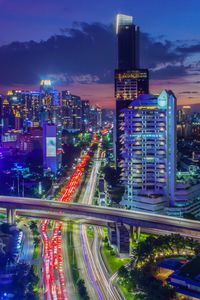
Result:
[[82, 289], [123, 272], [36, 241], [5, 228], [24, 281], [110, 175], [33, 225]]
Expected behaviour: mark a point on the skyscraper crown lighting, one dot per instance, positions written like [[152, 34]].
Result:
[[123, 20]]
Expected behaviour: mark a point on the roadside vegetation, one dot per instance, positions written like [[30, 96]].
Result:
[[90, 232], [36, 254], [2, 216], [111, 258], [116, 190], [155, 248], [36, 240], [139, 278], [23, 282], [79, 282]]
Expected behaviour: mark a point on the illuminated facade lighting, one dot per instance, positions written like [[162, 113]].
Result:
[[150, 152], [123, 20], [130, 80]]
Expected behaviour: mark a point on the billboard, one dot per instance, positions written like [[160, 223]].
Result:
[[51, 146]]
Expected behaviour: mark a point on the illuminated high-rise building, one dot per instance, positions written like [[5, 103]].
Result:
[[25, 106], [67, 110], [31, 107], [150, 152], [71, 111], [85, 114], [95, 118], [49, 102], [130, 81], [77, 112]]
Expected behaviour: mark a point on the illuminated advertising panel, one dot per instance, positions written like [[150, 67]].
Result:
[[45, 82], [51, 146]]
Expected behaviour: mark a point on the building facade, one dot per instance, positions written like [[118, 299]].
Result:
[[150, 152], [130, 81], [71, 111]]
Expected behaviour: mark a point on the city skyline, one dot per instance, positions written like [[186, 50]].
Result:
[[99, 203], [170, 54]]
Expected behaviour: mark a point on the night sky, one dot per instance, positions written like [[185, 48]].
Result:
[[74, 44]]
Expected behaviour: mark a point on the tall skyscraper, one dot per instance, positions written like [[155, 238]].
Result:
[[85, 114], [49, 102], [7, 114], [130, 81], [150, 152], [71, 111], [128, 43]]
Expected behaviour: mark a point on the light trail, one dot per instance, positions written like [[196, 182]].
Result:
[[101, 283], [53, 271], [90, 272]]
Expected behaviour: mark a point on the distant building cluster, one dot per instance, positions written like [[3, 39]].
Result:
[[36, 119]]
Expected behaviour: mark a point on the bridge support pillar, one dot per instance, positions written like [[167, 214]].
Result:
[[131, 230], [123, 237], [112, 234], [138, 230], [11, 216]]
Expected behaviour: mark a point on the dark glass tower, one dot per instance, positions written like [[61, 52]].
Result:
[[128, 43], [130, 81]]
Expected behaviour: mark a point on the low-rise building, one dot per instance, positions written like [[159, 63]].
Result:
[[187, 278]]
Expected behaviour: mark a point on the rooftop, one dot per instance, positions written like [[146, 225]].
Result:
[[192, 269]]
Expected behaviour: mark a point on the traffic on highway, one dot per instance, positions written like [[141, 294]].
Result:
[[54, 281]]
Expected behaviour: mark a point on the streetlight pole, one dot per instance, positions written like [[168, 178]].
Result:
[[18, 183], [23, 188]]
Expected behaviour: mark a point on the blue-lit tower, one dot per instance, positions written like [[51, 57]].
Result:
[[150, 152]]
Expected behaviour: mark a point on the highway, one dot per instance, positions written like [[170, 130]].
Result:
[[87, 254], [92, 256], [28, 244], [54, 272], [111, 291], [82, 256], [84, 266], [102, 215], [71, 289]]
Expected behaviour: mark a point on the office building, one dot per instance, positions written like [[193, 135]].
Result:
[[95, 118], [23, 108], [71, 111], [186, 280], [150, 152], [31, 108], [49, 102], [85, 114], [130, 81], [128, 43]]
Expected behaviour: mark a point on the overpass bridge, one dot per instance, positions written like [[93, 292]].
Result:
[[102, 216]]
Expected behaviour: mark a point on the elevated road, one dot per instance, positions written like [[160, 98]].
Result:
[[102, 215]]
